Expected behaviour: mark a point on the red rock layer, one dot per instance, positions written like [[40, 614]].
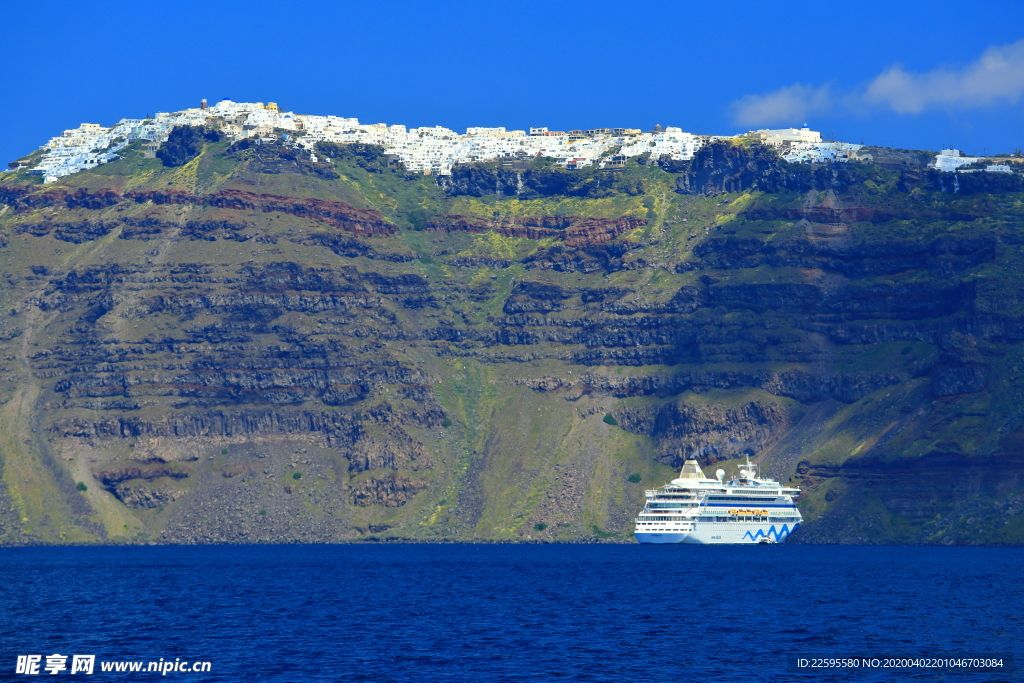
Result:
[[23, 197], [361, 222]]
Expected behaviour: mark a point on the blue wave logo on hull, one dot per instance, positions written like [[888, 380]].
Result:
[[779, 534]]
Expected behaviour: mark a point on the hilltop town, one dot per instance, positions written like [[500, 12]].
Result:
[[434, 150]]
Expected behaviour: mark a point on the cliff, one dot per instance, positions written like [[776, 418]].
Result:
[[255, 345]]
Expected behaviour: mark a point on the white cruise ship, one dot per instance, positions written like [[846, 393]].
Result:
[[695, 509]]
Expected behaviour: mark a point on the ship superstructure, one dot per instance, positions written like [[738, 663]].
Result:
[[696, 509]]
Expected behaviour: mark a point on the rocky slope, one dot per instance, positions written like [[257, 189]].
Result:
[[256, 346]]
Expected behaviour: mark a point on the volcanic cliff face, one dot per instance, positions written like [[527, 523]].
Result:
[[256, 346]]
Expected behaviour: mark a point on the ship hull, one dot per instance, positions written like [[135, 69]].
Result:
[[709, 533]]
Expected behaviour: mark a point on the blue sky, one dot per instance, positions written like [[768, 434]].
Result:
[[920, 75]]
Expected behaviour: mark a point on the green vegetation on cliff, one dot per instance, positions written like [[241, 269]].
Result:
[[258, 344]]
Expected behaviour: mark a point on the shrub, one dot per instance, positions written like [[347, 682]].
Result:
[[610, 419], [540, 526], [82, 487], [602, 534], [297, 476], [446, 423], [635, 478], [223, 451]]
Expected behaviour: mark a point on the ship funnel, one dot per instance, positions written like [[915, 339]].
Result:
[[691, 470]]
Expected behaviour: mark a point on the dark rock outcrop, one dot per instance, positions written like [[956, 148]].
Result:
[[113, 477], [391, 490], [185, 143], [481, 180], [683, 427], [141, 497], [276, 158], [724, 167]]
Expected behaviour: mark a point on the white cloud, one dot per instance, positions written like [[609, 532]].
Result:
[[789, 105], [997, 76]]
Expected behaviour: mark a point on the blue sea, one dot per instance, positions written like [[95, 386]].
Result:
[[511, 613]]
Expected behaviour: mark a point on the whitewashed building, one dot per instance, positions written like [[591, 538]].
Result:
[[819, 152], [783, 136], [952, 159], [427, 149]]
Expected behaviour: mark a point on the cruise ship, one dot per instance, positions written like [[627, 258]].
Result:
[[696, 509]]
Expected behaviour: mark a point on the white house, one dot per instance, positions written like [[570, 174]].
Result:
[[951, 160], [779, 136]]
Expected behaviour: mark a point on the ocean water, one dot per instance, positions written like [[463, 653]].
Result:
[[511, 613]]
